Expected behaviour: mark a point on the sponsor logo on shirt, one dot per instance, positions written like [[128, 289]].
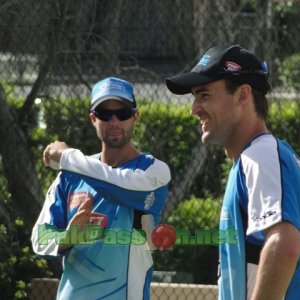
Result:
[[98, 219], [76, 199], [266, 215], [224, 214]]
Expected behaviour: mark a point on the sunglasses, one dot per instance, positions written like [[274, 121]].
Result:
[[122, 114]]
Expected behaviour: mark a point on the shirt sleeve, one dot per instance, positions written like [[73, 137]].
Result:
[[264, 185], [146, 201], [48, 227], [154, 177]]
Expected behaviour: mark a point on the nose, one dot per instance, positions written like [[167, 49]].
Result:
[[113, 119], [196, 108]]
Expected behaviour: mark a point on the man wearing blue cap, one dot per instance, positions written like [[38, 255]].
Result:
[[100, 210], [262, 197]]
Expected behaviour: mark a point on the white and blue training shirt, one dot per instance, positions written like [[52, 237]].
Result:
[[263, 189], [105, 263]]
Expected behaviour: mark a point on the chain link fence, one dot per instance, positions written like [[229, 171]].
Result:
[[45, 288], [51, 54]]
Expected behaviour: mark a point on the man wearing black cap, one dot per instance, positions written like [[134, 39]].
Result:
[[100, 210], [261, 201]]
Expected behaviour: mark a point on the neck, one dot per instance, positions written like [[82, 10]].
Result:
[[243, 137], [115, 157]]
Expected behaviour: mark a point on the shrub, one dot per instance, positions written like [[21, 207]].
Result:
[[284, 121], [166, 131], [289, 72], [18, 265], [199, 260]]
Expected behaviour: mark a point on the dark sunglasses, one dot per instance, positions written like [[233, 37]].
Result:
[[122, 114]]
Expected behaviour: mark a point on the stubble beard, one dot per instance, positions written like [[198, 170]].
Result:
[[212, 139], [116, 143]]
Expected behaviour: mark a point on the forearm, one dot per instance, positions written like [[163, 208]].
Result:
[[156, 176], [277, 264]]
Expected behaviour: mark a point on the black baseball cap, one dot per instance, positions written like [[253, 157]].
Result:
[[231, 62]]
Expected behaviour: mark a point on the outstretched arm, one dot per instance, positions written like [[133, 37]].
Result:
[[156, 176], [53, 152]]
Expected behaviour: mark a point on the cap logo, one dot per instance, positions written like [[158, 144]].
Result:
[[113, 85], [232, 67], [204, 60]]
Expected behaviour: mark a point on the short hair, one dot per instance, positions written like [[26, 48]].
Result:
[[260, 100]]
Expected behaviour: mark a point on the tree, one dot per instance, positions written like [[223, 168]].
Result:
[[18, 165]]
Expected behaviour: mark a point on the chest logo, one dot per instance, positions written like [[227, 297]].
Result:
[[76, 199]]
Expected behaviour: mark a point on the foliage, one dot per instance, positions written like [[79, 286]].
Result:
[[18, 265], [177, 133], [196, 213], [289, 73], [211, 182], [198, 260], [68, 120], [172, 126], [284, 121]]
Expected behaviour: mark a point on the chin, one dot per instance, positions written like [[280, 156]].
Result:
[[205, 138]]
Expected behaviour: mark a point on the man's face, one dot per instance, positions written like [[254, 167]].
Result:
[[114, 133], [218, 111]]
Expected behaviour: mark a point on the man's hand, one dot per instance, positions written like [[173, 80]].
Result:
[[53, 152], [82, 216], [80, 219]]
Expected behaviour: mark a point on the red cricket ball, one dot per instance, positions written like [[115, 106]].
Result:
[[163, 236]]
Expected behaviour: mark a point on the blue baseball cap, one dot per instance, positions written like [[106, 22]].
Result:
[[113, 88]]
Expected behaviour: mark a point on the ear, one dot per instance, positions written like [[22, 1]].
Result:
[[245, 93], [136, 117], [92, 118]]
